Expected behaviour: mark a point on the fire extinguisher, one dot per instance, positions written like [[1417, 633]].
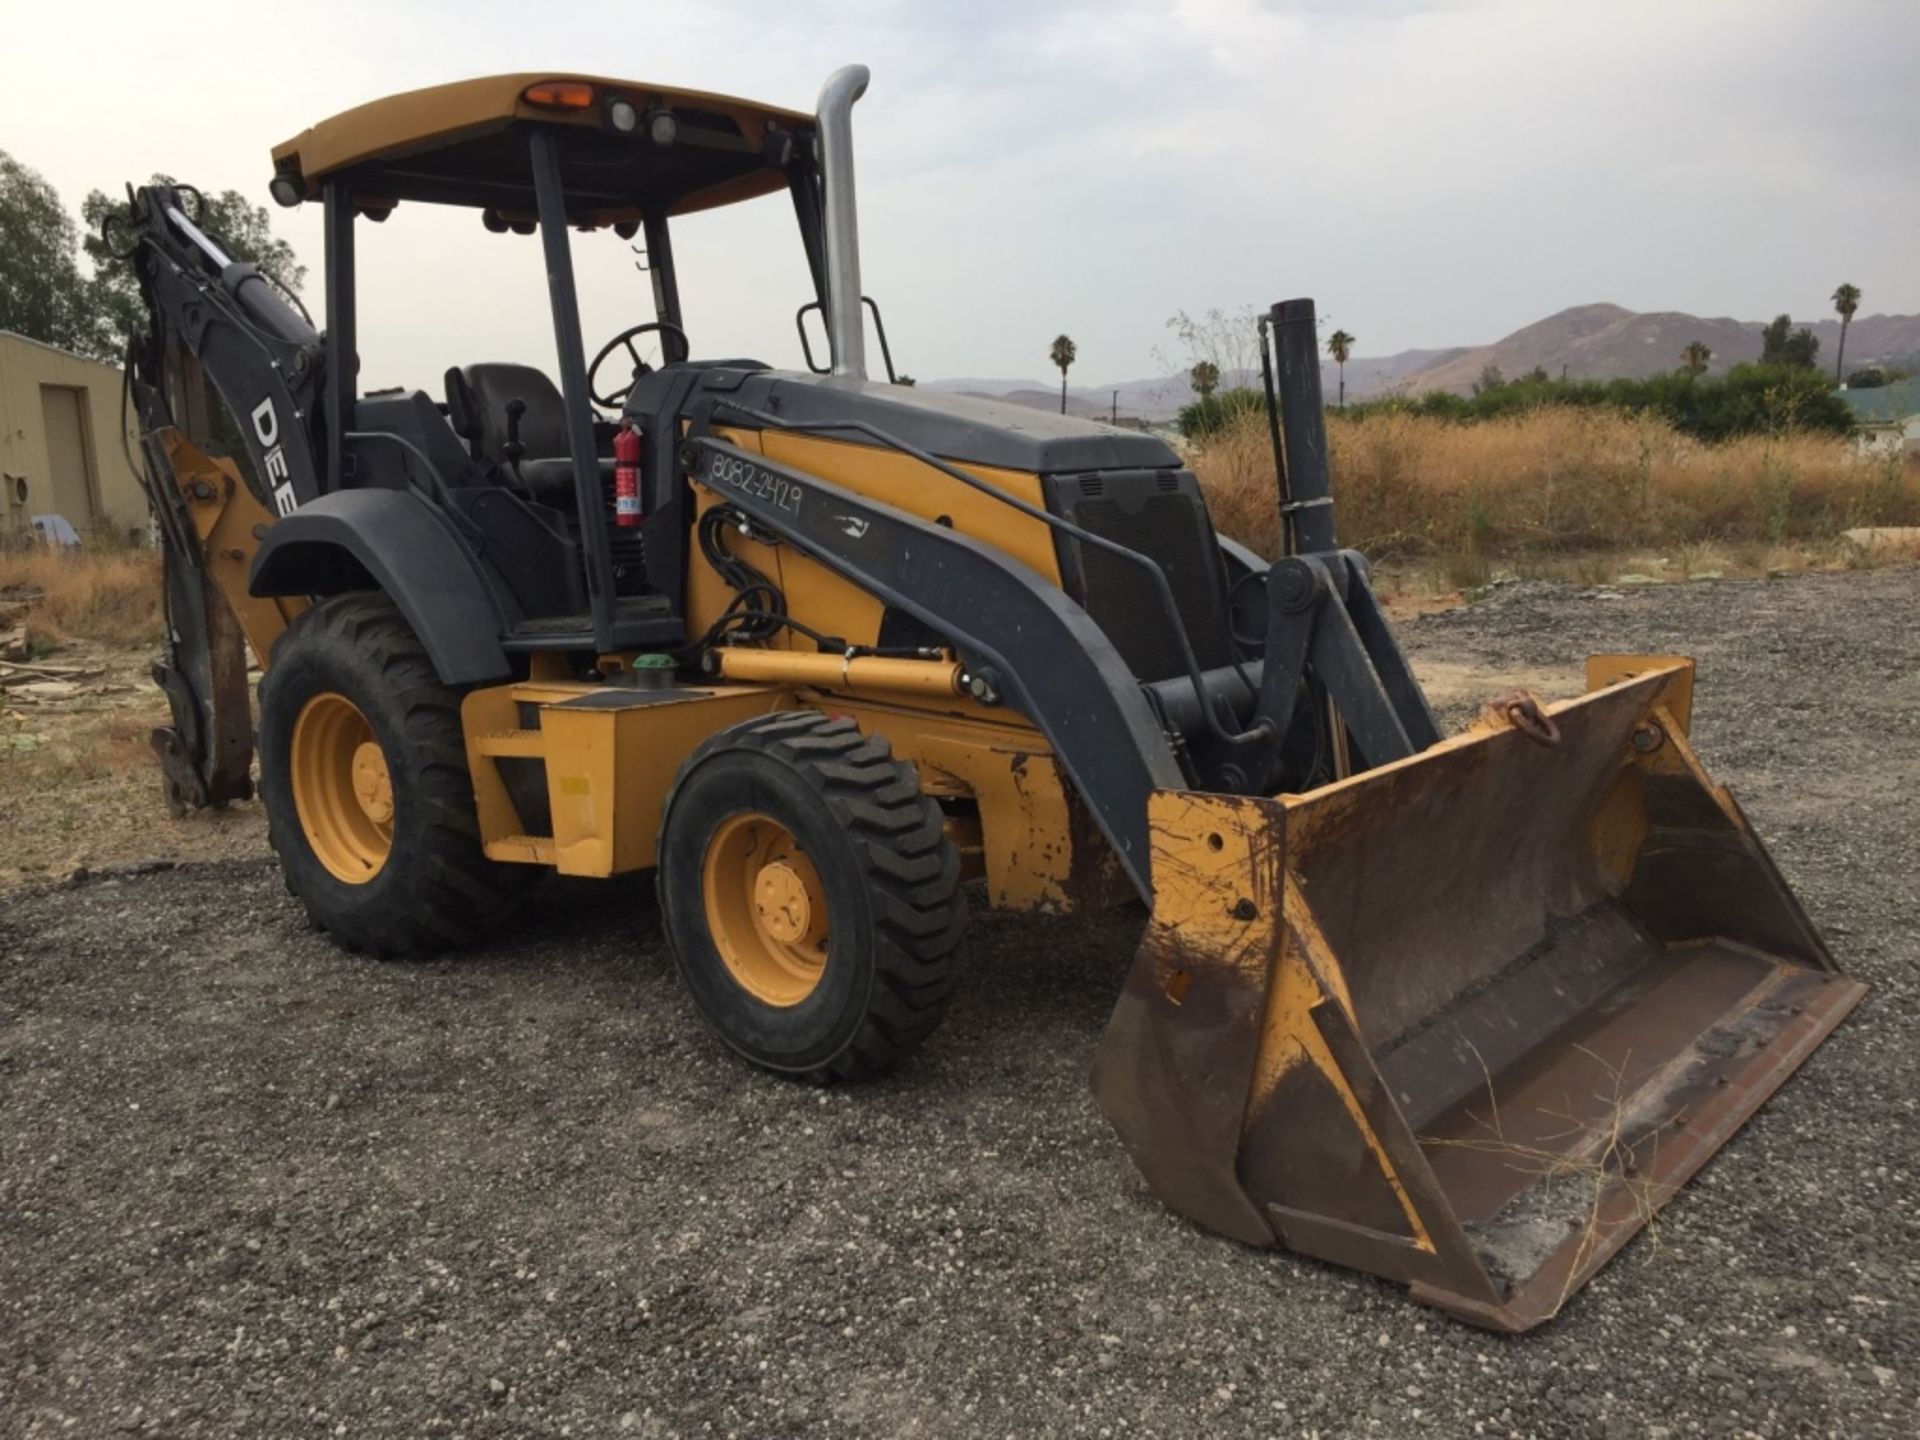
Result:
[[626, 476]]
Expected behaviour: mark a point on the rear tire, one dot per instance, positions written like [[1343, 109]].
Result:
[[811, 896], [363, 774]]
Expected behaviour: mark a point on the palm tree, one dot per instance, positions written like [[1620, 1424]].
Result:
[[1694, 358], [1064, 354], [1846, 300], [1340, 346], [1205, 376]]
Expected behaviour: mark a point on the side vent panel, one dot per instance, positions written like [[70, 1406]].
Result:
[[1161, 514]]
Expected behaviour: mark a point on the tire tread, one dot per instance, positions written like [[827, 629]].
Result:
[[453, 896], [911, 870]]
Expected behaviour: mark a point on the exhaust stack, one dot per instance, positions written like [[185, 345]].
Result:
[[1307, 490], [846, 331]]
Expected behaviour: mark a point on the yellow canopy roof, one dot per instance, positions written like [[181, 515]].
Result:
[[465, 144]]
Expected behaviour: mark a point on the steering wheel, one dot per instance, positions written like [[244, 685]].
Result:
[[626, 337]]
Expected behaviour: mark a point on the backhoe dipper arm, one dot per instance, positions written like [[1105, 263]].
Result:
[[256, 350], [214, 322]]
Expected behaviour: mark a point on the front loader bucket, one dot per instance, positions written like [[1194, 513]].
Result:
[[1466, 1020]]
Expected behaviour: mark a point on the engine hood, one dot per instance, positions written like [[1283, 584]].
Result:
[[953, 427]]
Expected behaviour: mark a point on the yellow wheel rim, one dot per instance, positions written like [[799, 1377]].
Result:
[[766, 910], [342, 789]]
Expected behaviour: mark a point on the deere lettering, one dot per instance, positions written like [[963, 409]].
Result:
[[266, 428]]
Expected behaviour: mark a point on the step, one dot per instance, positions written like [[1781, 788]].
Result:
[[522, 849], [512, 744]]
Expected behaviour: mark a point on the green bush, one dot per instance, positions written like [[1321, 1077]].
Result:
[[1747, 400], [1210, 414]]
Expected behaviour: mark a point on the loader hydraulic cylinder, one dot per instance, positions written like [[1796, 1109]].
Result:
[[877, 674]]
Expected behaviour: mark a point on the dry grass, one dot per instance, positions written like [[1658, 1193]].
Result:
[[112, 596], [78, 746], [1557, 484], [1598, 1161]]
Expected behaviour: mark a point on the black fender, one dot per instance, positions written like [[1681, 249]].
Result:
[[1239, 559], [394, 542]]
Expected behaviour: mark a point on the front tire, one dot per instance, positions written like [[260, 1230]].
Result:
[[363, 774], [811, 896]]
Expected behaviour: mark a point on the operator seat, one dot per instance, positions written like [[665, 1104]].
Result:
[[477, 400]]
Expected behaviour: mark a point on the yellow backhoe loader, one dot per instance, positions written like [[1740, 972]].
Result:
[[817, 649]]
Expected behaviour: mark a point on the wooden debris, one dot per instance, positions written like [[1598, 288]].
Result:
[[13, 671], [38, 690]]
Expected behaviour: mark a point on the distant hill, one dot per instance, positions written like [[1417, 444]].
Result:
[[1587, 342], [1037, 399], [1375, 374], [1607, 342], [1157, 398]]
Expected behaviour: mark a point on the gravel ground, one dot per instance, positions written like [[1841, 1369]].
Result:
[[252, 1186]]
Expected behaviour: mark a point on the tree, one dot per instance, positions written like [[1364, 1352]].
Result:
[[1490, 379], [1846, 300], [243, 229], [1340, 346], [1205, 376], [1228, 341], [1694, 358], [1064, 354], [46, 295], [43, 294], [1773, 340], [1781, 344]]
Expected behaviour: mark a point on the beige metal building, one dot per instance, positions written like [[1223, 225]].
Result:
[[60, 444]]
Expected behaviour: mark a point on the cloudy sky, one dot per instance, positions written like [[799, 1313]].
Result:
[[1434, 173]]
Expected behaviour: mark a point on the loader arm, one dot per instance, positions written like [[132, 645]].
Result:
[[225, 379], [1022, 640]]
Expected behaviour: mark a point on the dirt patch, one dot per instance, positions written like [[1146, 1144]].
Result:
[[79, 785], [250, 1185], [1454, 685]]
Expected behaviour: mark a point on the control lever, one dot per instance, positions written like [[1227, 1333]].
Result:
[[513, 449]]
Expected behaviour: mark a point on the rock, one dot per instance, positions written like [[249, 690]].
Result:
[[122, 869]]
